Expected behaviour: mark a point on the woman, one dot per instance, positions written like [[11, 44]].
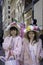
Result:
[[31, 46], [13, 46]]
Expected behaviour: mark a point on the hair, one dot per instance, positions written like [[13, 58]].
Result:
[[14, 28], [34, 21], [35, 37]]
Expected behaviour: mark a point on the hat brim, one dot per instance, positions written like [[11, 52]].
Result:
[[25, 31], [13, 28]]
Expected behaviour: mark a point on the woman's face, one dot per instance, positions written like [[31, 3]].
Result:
[[31, 35], [13, 32]]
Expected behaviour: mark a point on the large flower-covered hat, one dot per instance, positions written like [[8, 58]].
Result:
[[32, 28], [15, 25]]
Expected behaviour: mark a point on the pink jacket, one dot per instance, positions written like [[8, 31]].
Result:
[[27, 55], [17, 47]]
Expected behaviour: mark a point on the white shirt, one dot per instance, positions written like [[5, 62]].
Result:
[[33, 49]]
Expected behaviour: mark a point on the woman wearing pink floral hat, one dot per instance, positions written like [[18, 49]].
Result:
[[31, 46]]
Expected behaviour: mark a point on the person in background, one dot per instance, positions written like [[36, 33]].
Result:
[[1, 39], [22, 27], [1, 49], [41, 54], [35, 22], [12, 46], [31, 46]]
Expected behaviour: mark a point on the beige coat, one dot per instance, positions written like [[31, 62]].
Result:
[[27, 55]]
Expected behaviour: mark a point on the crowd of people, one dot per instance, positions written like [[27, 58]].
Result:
[[23, 47]]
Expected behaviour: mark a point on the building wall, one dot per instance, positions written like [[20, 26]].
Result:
[[16, 9], [6, 20], [13, 6], [6, 14], [42, 14], [38, 12], [1, 28]]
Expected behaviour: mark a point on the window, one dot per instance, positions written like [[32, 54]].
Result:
[[9, 17], [9, 12], [8, 1], [8, 7], [27, 2]]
